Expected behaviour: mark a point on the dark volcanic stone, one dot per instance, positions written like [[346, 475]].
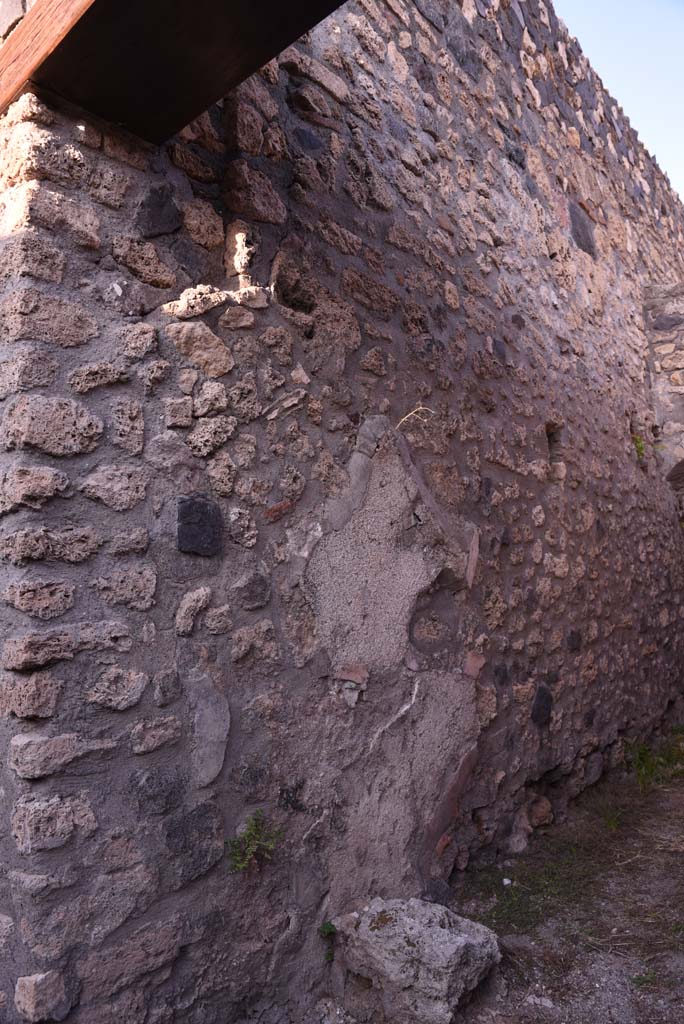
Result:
[[308, 139], [582, 230], [541, 706], [157, 213], [434, 12], [195, 842], [158, 790], [200, 526], [167, 687], [255, 592], [574, 640]]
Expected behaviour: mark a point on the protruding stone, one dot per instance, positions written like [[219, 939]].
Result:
[[33, 757], [117, 487], [152, 734], [138, 340], [128, 425], [35, 316], [25, 368], [195, 302], [210, 434], [35, 650], [46, 824], [118, 688], [33, 696], [253, 591], [212, 398], [201, 347], [167, 687], [203, 224], [30, 486], [68, 545], [258, 640], [56, 426], [40, 598], [143, 260], [42, 997], [133, 587], [189, 608], [420, 958], [250, 194], [96, 375], [195, 842]]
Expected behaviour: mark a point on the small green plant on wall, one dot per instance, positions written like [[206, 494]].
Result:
[[639, 446], [327, 932], [254, 845]]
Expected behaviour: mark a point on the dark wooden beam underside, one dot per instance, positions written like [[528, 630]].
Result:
[[150, 66]]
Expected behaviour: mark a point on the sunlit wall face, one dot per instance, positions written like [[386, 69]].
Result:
[[637, 50]]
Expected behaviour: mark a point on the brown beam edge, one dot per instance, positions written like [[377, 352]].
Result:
[[148, 66]]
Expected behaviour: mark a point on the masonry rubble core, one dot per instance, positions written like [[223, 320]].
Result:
[[333, 484]]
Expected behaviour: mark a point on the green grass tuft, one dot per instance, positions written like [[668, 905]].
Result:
[[254, 845]]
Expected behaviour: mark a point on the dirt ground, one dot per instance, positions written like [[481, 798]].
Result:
[[591, 916]]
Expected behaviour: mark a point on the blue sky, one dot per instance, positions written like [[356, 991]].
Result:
[[637, 48]]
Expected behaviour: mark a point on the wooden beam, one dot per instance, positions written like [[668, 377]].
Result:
[[41, 30], [150, 66]]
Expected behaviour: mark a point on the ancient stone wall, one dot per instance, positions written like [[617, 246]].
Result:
[[320, 498]]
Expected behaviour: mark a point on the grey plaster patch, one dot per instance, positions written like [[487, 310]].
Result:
[[380, 549], [210, 727]]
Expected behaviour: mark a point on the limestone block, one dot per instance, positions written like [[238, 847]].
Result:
[[138, 340], [34, 203], [116, 897], [178, 411], [29, 253], [301, 64], [128, 425], [420, 958], [212, 398]]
